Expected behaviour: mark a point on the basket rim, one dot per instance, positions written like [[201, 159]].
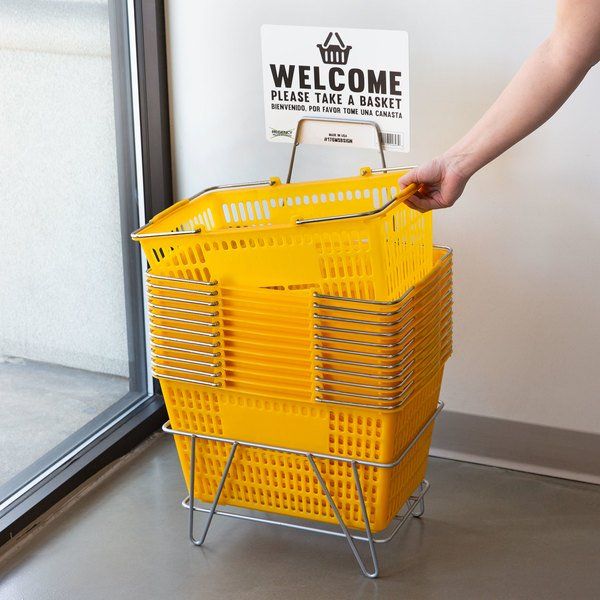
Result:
[[147, 230]]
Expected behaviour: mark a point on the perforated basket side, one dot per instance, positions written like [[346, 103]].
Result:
[[283, 483]]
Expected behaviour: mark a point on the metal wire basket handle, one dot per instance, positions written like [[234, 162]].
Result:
[[304, 120], [404, 194]]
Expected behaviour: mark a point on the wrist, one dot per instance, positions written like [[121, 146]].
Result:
[[460, 162]]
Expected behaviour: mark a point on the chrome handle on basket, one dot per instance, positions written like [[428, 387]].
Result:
[[303, 120], [408, 191], [383, 169], [137, 234], [404, 194]]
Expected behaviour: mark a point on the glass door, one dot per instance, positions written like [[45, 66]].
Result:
[[73, 368]]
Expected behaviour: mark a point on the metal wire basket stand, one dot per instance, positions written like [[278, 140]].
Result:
[[414, 506]]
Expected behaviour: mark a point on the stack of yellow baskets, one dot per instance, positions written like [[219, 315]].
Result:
[[314, 316]]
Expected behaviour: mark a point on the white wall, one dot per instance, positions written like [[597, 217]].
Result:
[[61, 269], [526, 232]]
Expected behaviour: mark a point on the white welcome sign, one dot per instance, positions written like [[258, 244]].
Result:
[[329, 72]]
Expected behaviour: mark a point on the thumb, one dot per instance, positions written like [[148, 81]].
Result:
[[408, 178]]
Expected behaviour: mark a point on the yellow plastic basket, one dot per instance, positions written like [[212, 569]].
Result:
[[350, 237], [260, 401], [277, 482], [277, 344]]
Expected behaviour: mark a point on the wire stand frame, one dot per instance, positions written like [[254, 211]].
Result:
[[414, 506]]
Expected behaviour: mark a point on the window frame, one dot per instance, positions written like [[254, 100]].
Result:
[[139, 69]]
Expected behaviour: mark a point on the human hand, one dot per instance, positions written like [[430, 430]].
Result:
[[440, 184]]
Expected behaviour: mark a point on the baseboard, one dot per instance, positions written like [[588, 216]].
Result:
[[520, 446]]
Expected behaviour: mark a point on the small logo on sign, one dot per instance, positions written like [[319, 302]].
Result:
[[281, 133], [334, 54]]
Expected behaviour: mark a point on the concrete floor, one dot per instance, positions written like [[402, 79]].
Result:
[[487, 533], [42, 404]]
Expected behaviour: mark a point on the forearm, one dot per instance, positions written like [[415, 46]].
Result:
[[537, 91]]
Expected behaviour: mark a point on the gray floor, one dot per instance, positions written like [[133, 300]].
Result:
[[42, 404], [487, 534]]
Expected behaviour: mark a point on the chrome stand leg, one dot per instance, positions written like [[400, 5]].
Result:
[[351, 542], [419, 510], [215, 502], [365, 515]]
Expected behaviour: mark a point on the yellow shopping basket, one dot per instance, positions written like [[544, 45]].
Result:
[[293, 392], [273, 343], [349, 237]]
